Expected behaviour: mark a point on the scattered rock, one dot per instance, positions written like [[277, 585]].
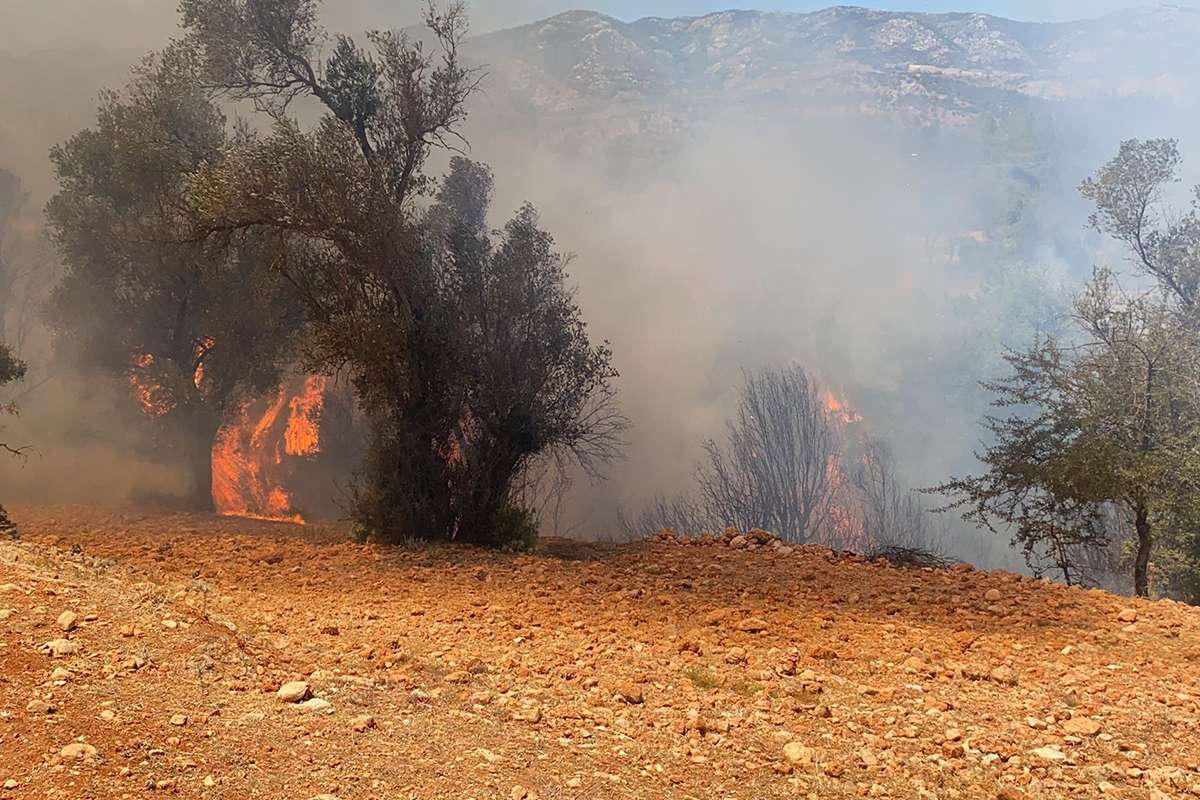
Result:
[[60, 648], [799, 753], [60, 674], [362, 723], [78, 751], [752, 625], [179, 720], [293, 692], [631, 694], [735, 655], [68, 621], [39, 708], [458, 677], [1127, 615], [488, 755], [1049, 753], [993, 595], [1005, 675], [1081, 726], [314, 704]]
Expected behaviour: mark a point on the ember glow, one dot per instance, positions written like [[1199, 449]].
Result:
[[253, 454]]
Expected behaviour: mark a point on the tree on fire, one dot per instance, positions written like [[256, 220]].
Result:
[[193, 328], [774, 470], [1100, 430], [466, 348]]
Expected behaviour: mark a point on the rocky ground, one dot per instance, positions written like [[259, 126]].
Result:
[[148, 654]]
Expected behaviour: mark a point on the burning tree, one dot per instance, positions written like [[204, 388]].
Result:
[[777, 469], [466, 349], [193, 328]]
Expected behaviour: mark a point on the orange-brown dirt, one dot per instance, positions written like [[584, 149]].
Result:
[[652, 670]]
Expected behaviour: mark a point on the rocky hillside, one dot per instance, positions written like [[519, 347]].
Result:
[[929, 66], [154, 655]]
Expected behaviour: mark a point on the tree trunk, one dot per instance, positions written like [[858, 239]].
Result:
[[1141, 566], [200, 495]]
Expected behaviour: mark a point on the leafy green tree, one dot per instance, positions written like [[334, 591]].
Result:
[[195, 327], [465, 346], [1099, 427], [11, 370]]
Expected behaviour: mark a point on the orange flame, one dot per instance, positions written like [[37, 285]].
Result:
[[303, 435], [845, 518], [250, 457], [154, 400]]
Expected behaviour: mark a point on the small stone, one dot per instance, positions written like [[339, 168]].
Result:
[[631, 694], [10, 784], [1049, 753], [170, 624], [293, 692], [60, 674], [363, 723], [58, 648], [752, 625], [108, 715], [735, 655], [78, 751], [458, 677], [1081, 726], [953, 734], [179, 720], [488, 755], [209, 781], [532, 714], [1127, 615], [993, 595], [68, 621], [1106, 787], [39, 707], [1005, 675], [799, 753], [314, 704]]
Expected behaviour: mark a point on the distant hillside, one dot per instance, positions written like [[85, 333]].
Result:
[[591, 79]]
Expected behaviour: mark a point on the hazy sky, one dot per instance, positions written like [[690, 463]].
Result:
[[142, 24]]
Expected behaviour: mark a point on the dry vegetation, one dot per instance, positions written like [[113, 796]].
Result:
[[654, 670]]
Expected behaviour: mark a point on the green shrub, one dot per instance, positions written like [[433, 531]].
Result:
[[515, 528]]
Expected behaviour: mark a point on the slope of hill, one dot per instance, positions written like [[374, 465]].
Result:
[[144, 652], [933, 66]]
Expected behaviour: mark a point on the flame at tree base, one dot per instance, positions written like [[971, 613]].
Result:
[[255, 454]]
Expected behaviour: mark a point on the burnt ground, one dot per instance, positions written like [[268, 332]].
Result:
[[652, 670]]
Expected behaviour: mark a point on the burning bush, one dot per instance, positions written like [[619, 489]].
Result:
[[791, 465]]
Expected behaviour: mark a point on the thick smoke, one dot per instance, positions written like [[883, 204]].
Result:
[[842, 244]]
